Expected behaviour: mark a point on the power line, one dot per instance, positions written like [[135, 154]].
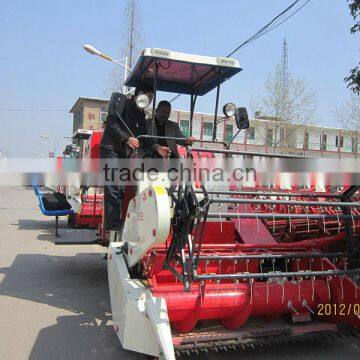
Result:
[[34, 110], [273, 24], [264, 29], [175, 97], [287, 18]]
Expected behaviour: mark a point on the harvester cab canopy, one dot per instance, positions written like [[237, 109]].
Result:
[[182, 73], [188, 74]]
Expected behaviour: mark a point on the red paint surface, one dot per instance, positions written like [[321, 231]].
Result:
[[91, 210], [233, 303], [94, 143]]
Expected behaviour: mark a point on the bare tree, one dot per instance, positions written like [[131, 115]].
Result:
[[349, 114], [131, 40], [132, 34], [288, 102]]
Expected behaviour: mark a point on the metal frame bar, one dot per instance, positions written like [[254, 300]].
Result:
[[217, 105], [270, 193], [232, 139], [247, 153], [212, 142], [57, 226], [193, 99], [281, 216], [200, 230], [274, 256], [161, 137], [276, 275], [191, 257], [284, 202], [349, 192], [154, 99], [176, 249]]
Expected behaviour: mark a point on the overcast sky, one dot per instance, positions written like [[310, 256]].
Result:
[[43, 65]]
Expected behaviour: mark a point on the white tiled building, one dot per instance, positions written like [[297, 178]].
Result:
[[265, 135], [262, 136]]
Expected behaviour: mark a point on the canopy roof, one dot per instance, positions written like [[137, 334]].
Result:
[[180, 72], [82, 134]]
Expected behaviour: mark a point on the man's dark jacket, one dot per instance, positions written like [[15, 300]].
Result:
[[116, 135], [172, 129]]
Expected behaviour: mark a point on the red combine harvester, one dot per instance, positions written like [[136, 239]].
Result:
[[90, 213], [91, 207], [197, 269]]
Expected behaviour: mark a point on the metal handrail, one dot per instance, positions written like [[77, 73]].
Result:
[[161, 137], [247, 153], [270, 193], [275, 275], [237, 215], [274, 256], [212, 142], [284, 202]]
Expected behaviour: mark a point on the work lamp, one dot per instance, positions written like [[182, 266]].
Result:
[[142, 101], [229, 109]]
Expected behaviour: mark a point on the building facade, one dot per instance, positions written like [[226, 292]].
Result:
[[265, 134], [89, 113]]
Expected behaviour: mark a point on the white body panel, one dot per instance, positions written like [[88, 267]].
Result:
[[162, 180], [140, 319], [147, 222]]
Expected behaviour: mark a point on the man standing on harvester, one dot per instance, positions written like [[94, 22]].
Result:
[[119, 141]]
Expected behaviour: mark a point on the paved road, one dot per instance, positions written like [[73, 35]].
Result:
[[54, 301]]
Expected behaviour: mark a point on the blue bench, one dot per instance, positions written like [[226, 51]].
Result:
[[55, 213]]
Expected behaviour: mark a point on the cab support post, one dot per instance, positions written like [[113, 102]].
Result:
[[217, 105], [154, 99], [192, 108]]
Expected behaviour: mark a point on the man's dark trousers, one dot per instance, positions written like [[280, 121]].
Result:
[[113, 195]]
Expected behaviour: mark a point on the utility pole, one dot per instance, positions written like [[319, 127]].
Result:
[[284, 68], [284, 90], [133, 7]]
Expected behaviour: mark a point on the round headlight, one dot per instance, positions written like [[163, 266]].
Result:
[[142, 101], [229, 109]]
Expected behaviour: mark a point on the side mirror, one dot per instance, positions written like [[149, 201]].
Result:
[[242, 118], [116, 104]]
